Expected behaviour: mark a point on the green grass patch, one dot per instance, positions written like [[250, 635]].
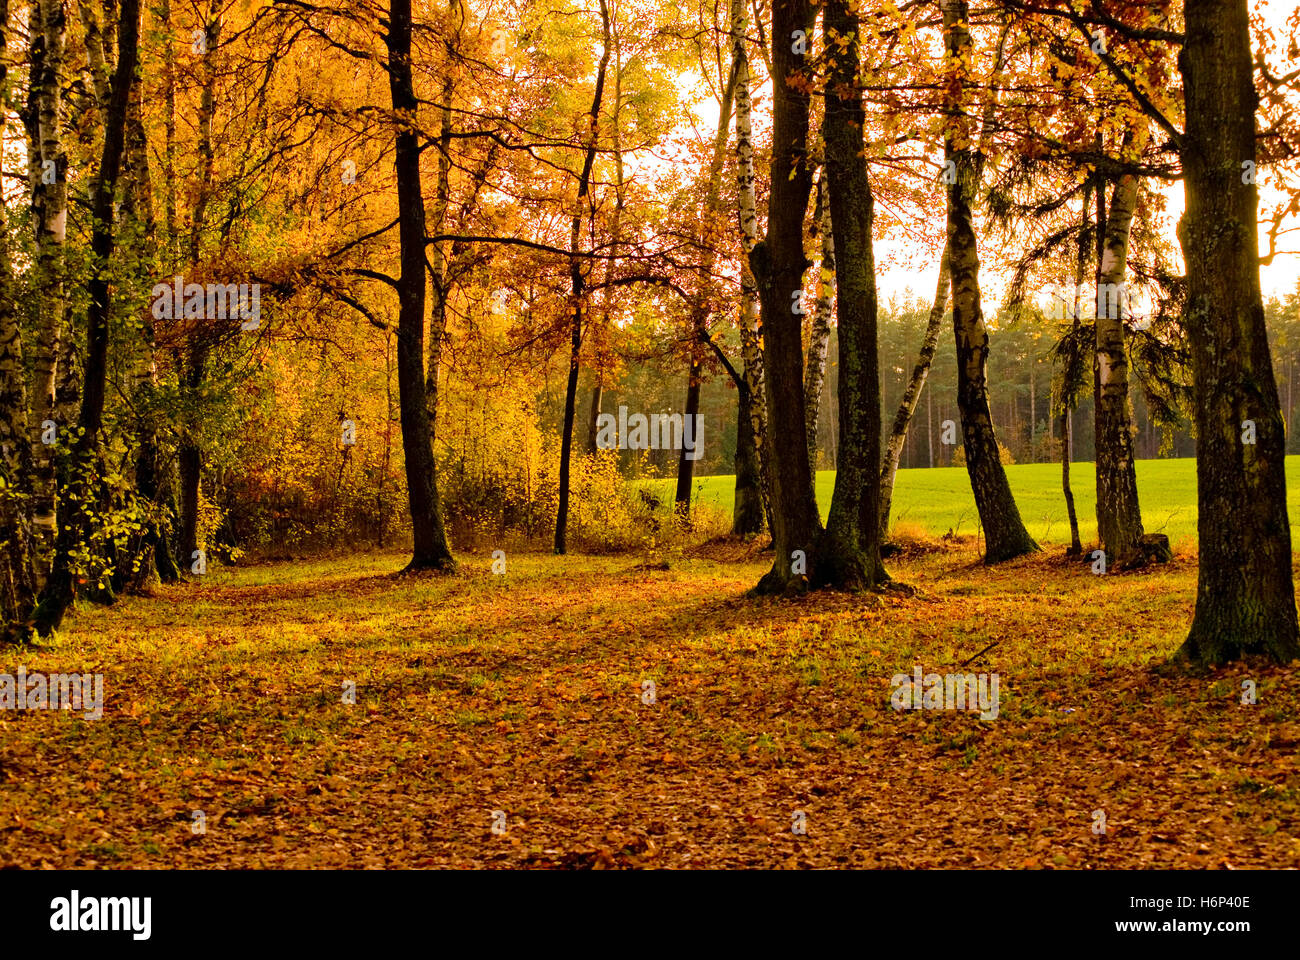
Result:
[[940, 499]]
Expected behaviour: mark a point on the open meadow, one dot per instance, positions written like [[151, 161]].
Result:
[[934, 501]]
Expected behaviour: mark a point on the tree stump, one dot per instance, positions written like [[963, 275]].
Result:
[[1150, 548]]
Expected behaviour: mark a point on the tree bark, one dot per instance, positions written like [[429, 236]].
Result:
[[1119, 516], [1072, 365], [615, 234], [1067, 452], [912, 395], [686, 464], [820, 336], [752, 496], [779, 264], [430, 550], [437, 258], [1245, 598], [1004, 534], [189, 453], [593, 418], [849, 554], [17, 586], [47, 170]]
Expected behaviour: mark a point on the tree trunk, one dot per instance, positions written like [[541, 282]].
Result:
[[593, 418], [578, 281], [686, 464], [929, 445], [1004, 533], [615, 233], [430, 550], [151, 557], [1245, 598], [912, 395], [850, 550], [17, 587], [47, 169], [753, 493], [779, 263], [705, 292], [172, 248], [1072, 365], [189, 453], [189, 459], [1067, 444], [1119, 517], [78, 486], [820, 336], [747, 511], [437, 259]]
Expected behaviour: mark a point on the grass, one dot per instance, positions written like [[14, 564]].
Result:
[[524, 693], [940, 499]]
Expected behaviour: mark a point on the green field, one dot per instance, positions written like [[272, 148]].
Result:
[[940, 500]]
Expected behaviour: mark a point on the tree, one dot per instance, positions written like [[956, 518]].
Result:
[[702, 303], [430, 550], [850, 552], [820, 334], [52, 395], [778, 263], [753, 488], [578, 282], [77, 478], [1005, 535], [1245, 597], [17, 588], [1119, 516], [912, 396]]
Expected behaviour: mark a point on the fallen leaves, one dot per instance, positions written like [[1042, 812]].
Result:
[[472, 700]]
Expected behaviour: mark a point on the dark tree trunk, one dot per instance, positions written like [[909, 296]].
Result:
[[1067, 444], [1004, 534], [593, 418], [189, 462], [1072, 364], [778, 263], [77, 480], [912, 395], [190, 467], [1245, 598], [570, 404], [850, 550], [146, 478], [430, 549], [685, 465], [747, 512], [578, 283]]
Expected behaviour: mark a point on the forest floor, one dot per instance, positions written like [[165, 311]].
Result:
[[519, 700]]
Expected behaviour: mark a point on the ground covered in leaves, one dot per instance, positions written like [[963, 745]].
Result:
[[525, 693]]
